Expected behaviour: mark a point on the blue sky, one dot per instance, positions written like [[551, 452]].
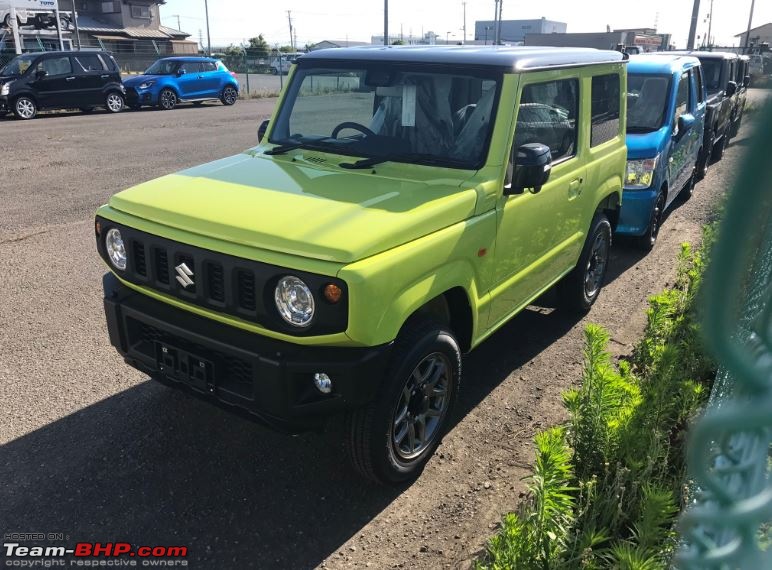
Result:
[[232, 21]]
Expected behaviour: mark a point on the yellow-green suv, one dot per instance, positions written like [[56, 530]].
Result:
[[404, 204]]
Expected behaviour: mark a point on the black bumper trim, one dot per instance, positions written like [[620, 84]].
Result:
[[269, 379]]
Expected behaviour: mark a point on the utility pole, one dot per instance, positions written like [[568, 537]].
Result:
[[289, 19], [693, 26], [464, 40], [77, 30], [748, 33], [179, 25], [385, 22], [710, 25], [496, 22], [208, 34], [501, 9]]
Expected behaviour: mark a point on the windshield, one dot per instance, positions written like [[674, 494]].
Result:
[[406, 114], [647, 97], [163, 67], [711, 71], [17, 66]]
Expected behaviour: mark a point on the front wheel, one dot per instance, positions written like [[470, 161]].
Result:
[[25, 108], [114, 102], [647, 241], [229, 96], [579, 290], [391, 439], [167, 100], [703, 161], [720, 147]]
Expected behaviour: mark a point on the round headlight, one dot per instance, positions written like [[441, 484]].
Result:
[[294, 301], [116, 251]]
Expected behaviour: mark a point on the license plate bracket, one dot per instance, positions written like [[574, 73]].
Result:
[[185, 366]]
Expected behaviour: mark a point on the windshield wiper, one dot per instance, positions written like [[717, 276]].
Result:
[[427, 159]]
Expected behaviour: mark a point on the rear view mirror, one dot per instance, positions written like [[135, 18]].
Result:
[[261, 130], [181, 72], [747, 81], [685, 122], [531, 164], [731, 88]]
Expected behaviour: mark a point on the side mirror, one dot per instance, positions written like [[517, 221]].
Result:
[[261, 130], [531, 165], [181, 72], [731, 88], [685, 122], [41, 73], [747, 81]]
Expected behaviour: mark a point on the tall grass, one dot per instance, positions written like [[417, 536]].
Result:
[[610, 480]]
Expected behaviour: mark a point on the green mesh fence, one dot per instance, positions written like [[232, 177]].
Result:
[[729, 449]]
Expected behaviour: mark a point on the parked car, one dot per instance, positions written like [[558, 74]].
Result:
[[375, 234], [743, 80], [719, 70], [666, 107], [60, 80], [172, 80], [281, 65]]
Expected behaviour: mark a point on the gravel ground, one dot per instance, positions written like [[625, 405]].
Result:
[[92, 449]]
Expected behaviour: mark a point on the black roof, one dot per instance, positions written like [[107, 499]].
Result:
[[512, 58], [705, 54]]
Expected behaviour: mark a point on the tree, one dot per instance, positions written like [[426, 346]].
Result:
[[258, 47]]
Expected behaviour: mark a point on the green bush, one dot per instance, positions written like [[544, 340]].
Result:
[[607, 486]]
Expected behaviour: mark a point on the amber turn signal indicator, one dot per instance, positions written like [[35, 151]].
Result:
[[98, 227], [332, 293]]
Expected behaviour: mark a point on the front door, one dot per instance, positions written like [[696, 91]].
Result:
[[57, 88], [537, 236], [680, 158]]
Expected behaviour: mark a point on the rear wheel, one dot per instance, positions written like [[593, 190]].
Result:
[[24, 108], [720, 147], [579, 290], [229, 96], [167, 100], [391, 439], [114, 102], [646, 241]]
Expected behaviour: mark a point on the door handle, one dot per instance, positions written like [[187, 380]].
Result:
[[105, 76], [575, 188], [70, 79]]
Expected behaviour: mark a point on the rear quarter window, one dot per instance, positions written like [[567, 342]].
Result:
[[605, 108], [90, 62]]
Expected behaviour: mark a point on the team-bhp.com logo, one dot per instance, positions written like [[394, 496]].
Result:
[[88, 554]]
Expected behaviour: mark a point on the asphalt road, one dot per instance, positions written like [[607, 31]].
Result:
[[92, 449]]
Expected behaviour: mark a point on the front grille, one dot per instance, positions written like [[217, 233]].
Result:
[[222, 283]]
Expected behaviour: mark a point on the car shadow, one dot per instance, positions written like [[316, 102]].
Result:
[[153, 466]]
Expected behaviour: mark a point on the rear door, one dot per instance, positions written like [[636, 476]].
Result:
[[211, 79], [57, 89], [92, 78]]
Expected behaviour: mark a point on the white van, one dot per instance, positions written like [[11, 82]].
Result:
[[39, 13]]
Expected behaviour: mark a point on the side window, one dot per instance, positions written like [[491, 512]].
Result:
[[90, 62], [548, 115], [208, 66], [190, 67], [697, 71], [56, 65], [605, 108], [682, 96]]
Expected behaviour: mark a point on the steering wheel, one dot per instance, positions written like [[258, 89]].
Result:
[[351, 125]]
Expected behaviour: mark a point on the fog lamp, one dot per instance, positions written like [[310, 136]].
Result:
[[323, 382]]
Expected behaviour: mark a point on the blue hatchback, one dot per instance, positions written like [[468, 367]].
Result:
[[665, 123], [177, 79]]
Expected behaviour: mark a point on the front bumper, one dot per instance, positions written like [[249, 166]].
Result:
[[270, 380], [635, 216], [4, 106], [135, 97]]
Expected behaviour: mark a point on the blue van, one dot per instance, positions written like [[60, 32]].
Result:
[[666, 105]]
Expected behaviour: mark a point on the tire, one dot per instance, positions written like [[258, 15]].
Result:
[[114, 102], [383, 438], [25, 108], [229, 96], [720, 147], [688, 191], [703, 162], [274, 71], [647, 241], [64, 23], [573, 289], [167, 100], [736, 125]]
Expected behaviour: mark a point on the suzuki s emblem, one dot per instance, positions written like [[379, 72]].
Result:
[[184, 275]]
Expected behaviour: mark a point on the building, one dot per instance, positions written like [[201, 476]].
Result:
[[130, 29], [759, 35], [329, 44], [514, 31], [645, 39], [429, 38]]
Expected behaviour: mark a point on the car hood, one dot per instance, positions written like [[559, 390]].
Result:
[[139, 79], [8, 78], [296, 205], [647, 145]]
